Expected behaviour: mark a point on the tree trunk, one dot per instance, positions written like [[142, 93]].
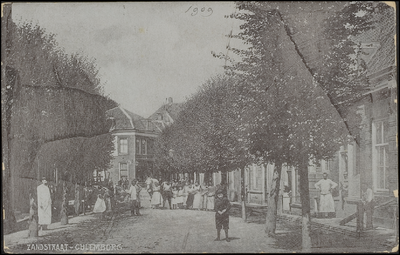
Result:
[[77, 201], [33, 215], [243, 195], [305, 206], [270, 224], [64, 205]]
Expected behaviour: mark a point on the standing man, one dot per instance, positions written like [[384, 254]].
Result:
[[138, 189], [167, 193], [44, 204], [133, 197], [368, 201], [326, 203], [344, 188]]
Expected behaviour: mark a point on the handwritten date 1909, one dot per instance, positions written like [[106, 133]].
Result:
[[203, 11]]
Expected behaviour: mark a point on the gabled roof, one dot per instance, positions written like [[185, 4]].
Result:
[[383, 34], [124, 119], [172, 109]]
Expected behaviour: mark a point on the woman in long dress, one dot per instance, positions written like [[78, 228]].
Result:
[[100, 205], [210, 197], [179, 197], [156, 198], [190, 198], [204, 191], [197, 199], [185, 194]]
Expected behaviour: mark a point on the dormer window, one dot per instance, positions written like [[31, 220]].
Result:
[[367, 51]]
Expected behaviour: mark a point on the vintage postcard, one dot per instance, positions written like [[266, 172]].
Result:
[[199, 127]]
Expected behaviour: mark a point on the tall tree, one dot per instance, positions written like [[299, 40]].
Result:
[[53, 97], [310, 122], [203, 138]]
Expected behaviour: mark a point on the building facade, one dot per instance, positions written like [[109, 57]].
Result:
[[133, 145], [373, 159]]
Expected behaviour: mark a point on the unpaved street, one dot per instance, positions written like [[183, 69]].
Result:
[[185, 231], [175, 231], [157, 231]]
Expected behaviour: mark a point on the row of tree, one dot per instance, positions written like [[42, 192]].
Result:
[[279, 103], [54, 116]]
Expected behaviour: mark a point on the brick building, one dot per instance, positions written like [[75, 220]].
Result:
[[133, 145], [374, 159]]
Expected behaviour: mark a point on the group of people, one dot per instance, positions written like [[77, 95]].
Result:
[[327, 205], [187, 194], [129, 194], [182, 194]]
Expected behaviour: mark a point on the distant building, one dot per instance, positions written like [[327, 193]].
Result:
[[166, 114], [133, 145]]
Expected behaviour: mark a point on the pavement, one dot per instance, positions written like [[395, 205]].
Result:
[[22, 237], [157, 231], [186, 231]]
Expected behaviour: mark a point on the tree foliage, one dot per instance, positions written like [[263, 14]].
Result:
[[296, 106], [55, 113], [35, 53], [204, 137]]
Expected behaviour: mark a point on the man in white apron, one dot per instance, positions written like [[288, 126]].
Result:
[[326, 203], [44, 204]]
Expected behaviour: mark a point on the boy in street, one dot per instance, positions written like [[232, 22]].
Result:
[[222, 206], [134, 194]]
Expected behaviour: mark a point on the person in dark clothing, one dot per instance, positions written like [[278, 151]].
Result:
[[222, 206], [167, 193]]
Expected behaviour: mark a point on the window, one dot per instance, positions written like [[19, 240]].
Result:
[[123, 145], [150, 146], [123, 170], [137, 146], [144, 147], [141, 146], [328, 165], [380, 155]]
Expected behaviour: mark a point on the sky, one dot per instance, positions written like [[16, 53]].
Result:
[[145, 51]]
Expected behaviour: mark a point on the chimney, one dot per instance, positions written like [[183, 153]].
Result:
[[170, 101]]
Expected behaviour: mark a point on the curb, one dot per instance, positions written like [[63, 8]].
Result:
[[297, 220]]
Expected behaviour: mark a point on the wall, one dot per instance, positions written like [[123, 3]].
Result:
[[128, 158]]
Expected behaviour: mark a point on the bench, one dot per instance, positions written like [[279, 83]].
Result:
[[251, 207], [295, 206]]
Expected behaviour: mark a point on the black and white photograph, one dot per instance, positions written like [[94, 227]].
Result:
[[199, 127]]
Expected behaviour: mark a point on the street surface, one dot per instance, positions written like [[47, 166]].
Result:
[[177, 231], [159, 231]]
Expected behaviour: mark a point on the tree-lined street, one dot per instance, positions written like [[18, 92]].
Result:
[[305, 90]]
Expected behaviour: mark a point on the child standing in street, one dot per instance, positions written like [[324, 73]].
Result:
[[174, 197], [222, 206], [179, 198]]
